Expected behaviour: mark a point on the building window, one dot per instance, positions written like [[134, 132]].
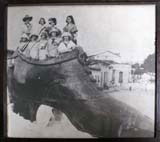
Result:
[[97, 78], [113, 76], [106, 77], [129, 77], [120, 77]]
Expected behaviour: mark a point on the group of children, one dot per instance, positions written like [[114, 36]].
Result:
[[47, 41]]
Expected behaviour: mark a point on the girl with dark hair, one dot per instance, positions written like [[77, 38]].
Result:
[[41, 26], [70, 19], [71, 28], [42, 21]]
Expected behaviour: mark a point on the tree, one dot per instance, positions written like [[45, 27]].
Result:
[[138, 69], [149, 63]]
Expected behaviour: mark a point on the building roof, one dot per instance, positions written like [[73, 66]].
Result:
[[104, 62], [109, 56]]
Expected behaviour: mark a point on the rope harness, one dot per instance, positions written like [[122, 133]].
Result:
[[75, 54]]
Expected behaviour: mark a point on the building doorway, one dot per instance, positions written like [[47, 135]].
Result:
[[113, 76], [120, 77]]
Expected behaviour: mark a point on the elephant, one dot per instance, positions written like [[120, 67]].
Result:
[[64, 83]]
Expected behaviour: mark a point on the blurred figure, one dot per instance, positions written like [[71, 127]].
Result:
[[56, 116], [71, 28]]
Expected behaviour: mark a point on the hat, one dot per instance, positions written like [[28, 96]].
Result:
[[33, 35], [54, 30], [45, 34], [66, 34], [24, 36], [27, 17]]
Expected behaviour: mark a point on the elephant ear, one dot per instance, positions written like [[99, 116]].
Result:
[[82, 56]]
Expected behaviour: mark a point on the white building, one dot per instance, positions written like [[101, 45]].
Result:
[[108, 73]]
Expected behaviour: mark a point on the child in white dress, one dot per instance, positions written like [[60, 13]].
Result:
[[23, 43], [32, 43], [42, 47], [39, 51], [53, 43], [67, 44]]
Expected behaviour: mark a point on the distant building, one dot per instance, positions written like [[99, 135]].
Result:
[[108, 73]]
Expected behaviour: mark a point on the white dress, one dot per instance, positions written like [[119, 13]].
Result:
[[42, 47], [66, 47], [34, 52], [27, 29], [29, 50], [40, 29], [39, 50], [52, 48]]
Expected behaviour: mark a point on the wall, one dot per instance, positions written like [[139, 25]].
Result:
[[125, 69], [104, 76]]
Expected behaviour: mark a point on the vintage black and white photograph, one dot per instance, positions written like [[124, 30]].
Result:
[[81, 71]]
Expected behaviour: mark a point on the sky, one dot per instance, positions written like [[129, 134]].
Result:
[[125, 29]]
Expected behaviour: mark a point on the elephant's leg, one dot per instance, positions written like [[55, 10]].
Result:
[[28, 110], [33, 107]]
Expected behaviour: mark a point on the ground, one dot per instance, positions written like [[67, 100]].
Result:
[[140, 97], [137, 99], [19, 127]]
